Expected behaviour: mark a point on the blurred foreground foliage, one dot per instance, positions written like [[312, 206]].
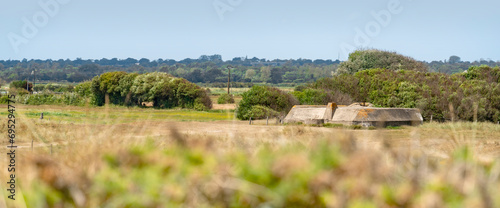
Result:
[[328, 173]]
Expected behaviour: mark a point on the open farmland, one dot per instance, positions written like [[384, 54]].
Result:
[[118, 157]]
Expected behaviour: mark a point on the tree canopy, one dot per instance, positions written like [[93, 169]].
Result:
[[370, 59], [164, 90]]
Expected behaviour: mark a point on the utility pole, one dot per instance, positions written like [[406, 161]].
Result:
[[228, 79], [33, 88], [28, 79]]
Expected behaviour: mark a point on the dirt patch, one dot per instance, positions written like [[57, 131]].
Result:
[[224, 106]]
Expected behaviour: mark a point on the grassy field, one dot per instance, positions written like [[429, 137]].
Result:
[[234, 91], [121, 157], [101, 115], [239, 91]]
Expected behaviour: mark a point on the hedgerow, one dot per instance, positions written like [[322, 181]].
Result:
[[52, 99]]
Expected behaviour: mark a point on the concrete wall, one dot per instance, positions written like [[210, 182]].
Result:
[[354, 115], [377, 116], [307, 114]]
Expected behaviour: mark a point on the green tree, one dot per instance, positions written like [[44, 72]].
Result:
[[370, 59], [250, 74], [265, 74], [454, 60]]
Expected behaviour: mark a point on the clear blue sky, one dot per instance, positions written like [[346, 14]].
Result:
[[316, 29]]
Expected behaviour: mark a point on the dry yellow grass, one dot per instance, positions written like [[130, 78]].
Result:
[[80, 146]]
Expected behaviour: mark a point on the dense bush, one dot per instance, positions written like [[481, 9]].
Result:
[[18, 91], [260, 112], [474, 95], [164, 90], [4, 99], [120, 88], [225, 99], [369, 59], [52, 99], [50, 87], [106, 87], [84, 89], [21, 84], [264, 96], [313, 96]]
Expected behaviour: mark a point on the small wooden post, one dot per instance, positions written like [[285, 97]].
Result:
[[250, 121], [32, 145], [431, 118], [267, 121], [41, 116]]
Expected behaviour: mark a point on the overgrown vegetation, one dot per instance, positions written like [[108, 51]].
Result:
[[370, 59], [52, 99], [470, 96], [311, 96], [263, 101], [120, 88], [21, 84], [162, 89]]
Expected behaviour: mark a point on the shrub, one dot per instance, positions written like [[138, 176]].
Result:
[[260, 112], [311, 96], [18, 91], [264, 96], [225, 99], [84, 89], [203, 102], [52, 99], [4, 99], [54, 88], [21, 84]]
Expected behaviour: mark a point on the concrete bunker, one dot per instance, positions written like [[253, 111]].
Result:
[[354, 115]]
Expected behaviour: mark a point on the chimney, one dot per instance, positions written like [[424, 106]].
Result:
[[330, 111]]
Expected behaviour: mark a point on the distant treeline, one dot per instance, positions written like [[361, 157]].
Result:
[[205, 69]]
